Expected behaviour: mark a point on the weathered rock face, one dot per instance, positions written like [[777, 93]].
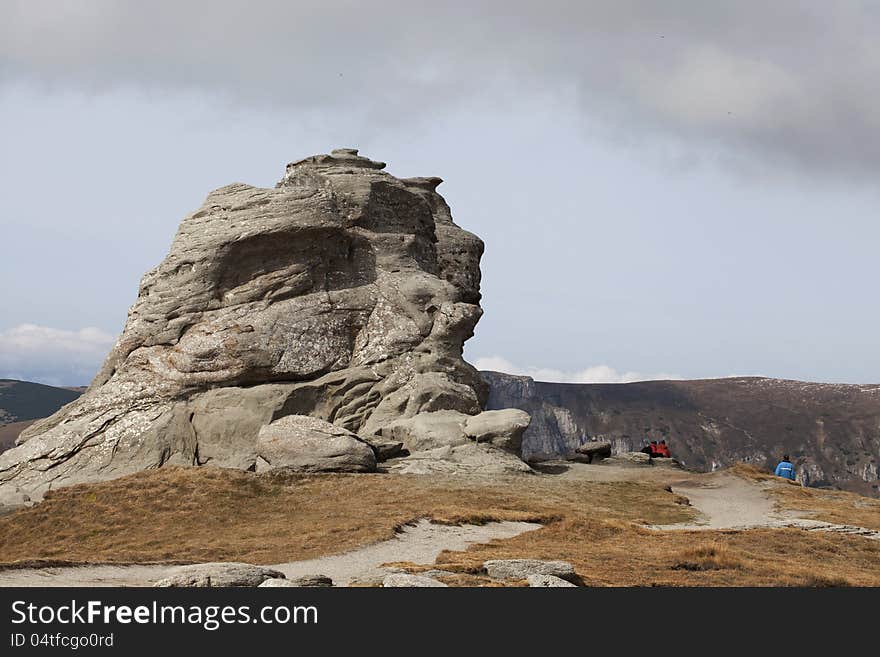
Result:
[[344, 294]]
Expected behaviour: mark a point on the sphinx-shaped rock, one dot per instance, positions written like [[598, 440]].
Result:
[[343, 294]]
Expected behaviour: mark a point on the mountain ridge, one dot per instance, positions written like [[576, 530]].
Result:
[[24, 402], [832, 430]]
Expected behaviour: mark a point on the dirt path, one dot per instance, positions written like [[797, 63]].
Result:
[[727, 502], [419, 543], [730, 502]]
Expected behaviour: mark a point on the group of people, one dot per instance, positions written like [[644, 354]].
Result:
[[657, 450]]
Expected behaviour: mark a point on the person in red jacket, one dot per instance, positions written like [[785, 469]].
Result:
[[663, 450]]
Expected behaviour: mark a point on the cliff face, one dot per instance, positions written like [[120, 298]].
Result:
[[831, 431]]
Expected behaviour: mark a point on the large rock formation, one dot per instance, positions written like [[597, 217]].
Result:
[[831, 430], [344, 294]]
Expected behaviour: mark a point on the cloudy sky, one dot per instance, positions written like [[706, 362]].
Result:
[[676, 189]]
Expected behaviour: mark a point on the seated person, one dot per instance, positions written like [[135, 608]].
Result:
[[785, 469]]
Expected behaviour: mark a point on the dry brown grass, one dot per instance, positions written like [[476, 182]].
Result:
[[754, 473], [632, 556], [829, 505], [709, 555], [210, 514], [182, 514]]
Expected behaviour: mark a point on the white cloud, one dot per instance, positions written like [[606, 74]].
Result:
[[594, 374], [49, 355]]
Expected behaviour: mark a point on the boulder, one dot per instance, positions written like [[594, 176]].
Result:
[[517, 569], [343, 293], [218, 575], [595, 450], [404, 580], [544, 582], [425, 392], [503, 428], [427, 431], [307, 444], [307, 581]]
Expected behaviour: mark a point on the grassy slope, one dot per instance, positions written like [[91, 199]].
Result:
[[176, 514]]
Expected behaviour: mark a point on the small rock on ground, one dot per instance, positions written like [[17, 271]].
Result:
[[547, 581], [403, 580], [522, 568], [218, 574], [308, 581]]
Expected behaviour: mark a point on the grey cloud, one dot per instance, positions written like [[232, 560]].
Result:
[[791, 82]]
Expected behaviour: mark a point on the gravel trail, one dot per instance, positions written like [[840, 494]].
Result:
[[730, 502], [419, 543]]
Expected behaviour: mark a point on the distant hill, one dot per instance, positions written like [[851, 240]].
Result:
[[831, 430], [22, 402]]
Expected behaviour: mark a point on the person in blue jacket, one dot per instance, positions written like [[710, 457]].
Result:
[[785, 469]]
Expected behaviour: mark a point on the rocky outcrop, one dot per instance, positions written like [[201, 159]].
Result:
[[343, 294], [831, 430]]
